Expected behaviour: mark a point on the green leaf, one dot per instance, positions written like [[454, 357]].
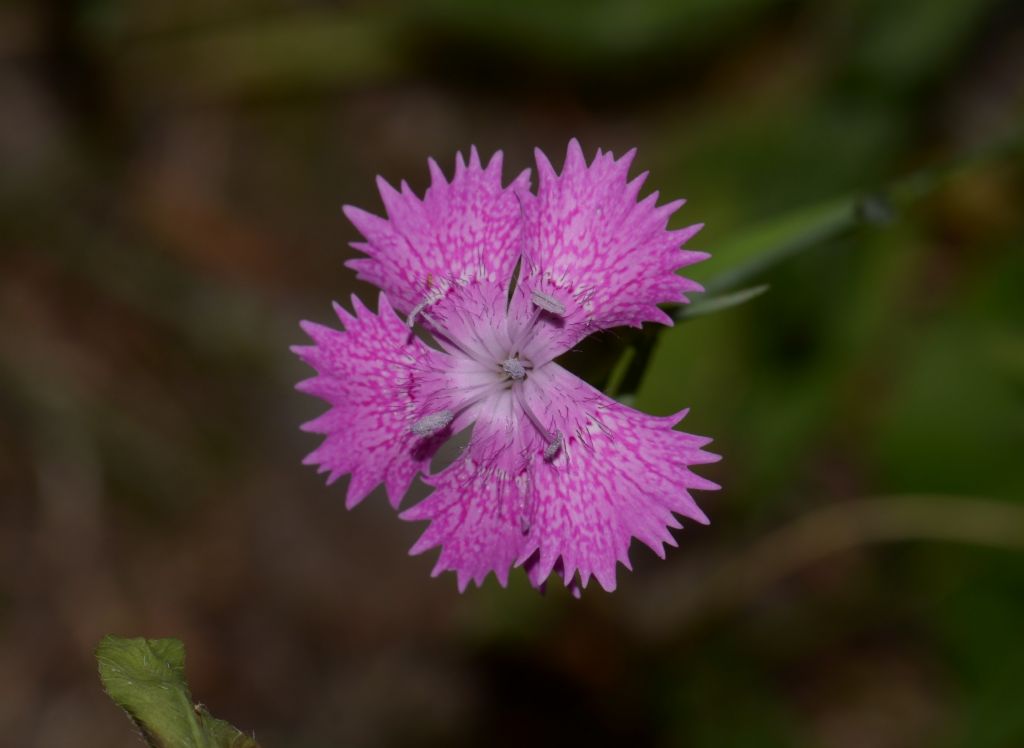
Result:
[[721, 302], [146, 678]]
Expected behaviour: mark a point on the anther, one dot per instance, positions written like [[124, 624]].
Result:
[[552, 449], [514, 368], [435, 422], [548, 303]]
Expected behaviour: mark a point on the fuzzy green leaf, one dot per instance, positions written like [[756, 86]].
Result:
[[146, 678]]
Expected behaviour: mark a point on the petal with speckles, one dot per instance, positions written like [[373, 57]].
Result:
[[589, 244], [368, 375], [476, 510], [466, 228], [619, 475]]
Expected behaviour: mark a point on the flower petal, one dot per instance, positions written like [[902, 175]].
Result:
[[368, 374], [469, 318], [469, 518], [476, 511], [609, 259], [618, 475], [626, 483], [468, 228]]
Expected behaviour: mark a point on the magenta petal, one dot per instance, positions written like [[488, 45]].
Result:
[[472, 514], [625, 481], [479, 509], [587, 238], [365, 374], [466, 228], [619, 475]]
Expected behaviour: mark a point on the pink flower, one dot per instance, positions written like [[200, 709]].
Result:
[[556, 476]]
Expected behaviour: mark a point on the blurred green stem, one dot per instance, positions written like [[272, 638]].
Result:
[[771, 243], [618, 375], [756, 251], [824, 532], [623, 367]]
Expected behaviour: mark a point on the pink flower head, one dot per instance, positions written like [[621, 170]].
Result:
[[556, 476]]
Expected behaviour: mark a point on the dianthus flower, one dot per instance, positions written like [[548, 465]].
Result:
[[556, 477]]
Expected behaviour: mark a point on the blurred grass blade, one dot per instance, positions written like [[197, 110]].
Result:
[[624, 374], [806, 540], [618, 375], [754, 251], [146, 678], [719, 303]]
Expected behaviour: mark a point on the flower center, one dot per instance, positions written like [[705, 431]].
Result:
[[494, 361], [514, 368]]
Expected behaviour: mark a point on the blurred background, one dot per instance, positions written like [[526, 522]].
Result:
[[170, 183]]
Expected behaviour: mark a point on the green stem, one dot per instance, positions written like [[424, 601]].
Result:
[[618, 375], [783, 238]]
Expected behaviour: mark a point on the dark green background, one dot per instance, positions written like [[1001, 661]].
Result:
[[170, 178]]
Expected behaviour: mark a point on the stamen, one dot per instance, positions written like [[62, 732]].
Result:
[[432, 424], [514, 368], [436, 422], [531, 415], [554, 447], [433, 295], [544, 303], [411, 319], [548, 303]]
